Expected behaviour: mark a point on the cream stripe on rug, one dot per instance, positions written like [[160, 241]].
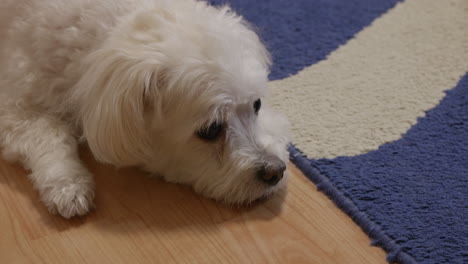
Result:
[[372, 89]]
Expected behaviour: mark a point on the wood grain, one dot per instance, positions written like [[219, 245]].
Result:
[[143, 220]]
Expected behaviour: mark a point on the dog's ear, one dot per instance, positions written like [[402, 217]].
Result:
[[117, 93]]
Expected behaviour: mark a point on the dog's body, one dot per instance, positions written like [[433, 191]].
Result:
[[170, 86]]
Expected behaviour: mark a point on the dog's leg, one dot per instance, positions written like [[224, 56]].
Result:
[[46, 146]]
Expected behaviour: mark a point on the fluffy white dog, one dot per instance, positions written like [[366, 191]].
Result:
[[171, 86]]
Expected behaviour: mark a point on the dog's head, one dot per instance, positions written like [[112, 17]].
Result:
[[181, 94]]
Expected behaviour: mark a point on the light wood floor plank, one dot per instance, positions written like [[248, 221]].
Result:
[[143, 220]]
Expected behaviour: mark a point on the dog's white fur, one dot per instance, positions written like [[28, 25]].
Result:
[[135, 79]]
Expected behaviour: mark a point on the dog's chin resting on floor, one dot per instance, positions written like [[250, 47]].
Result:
[[174, 87]]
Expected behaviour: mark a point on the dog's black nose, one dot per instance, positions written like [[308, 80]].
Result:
[[271, 173]]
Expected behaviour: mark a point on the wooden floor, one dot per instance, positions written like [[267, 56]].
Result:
[[142, 220]]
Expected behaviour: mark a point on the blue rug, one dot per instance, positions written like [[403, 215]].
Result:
[[411, 195], [406, 188], [299, 33]]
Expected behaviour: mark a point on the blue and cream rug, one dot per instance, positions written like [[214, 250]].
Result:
[[377, 94]]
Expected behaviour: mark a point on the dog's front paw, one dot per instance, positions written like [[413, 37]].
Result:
[[73, 199]]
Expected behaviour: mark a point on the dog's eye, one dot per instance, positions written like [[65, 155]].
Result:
[[257, 105], [212, 132]]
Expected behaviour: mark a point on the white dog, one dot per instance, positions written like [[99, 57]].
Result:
[[170, 86]]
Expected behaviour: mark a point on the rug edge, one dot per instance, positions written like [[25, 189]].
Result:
[[394, 252]]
